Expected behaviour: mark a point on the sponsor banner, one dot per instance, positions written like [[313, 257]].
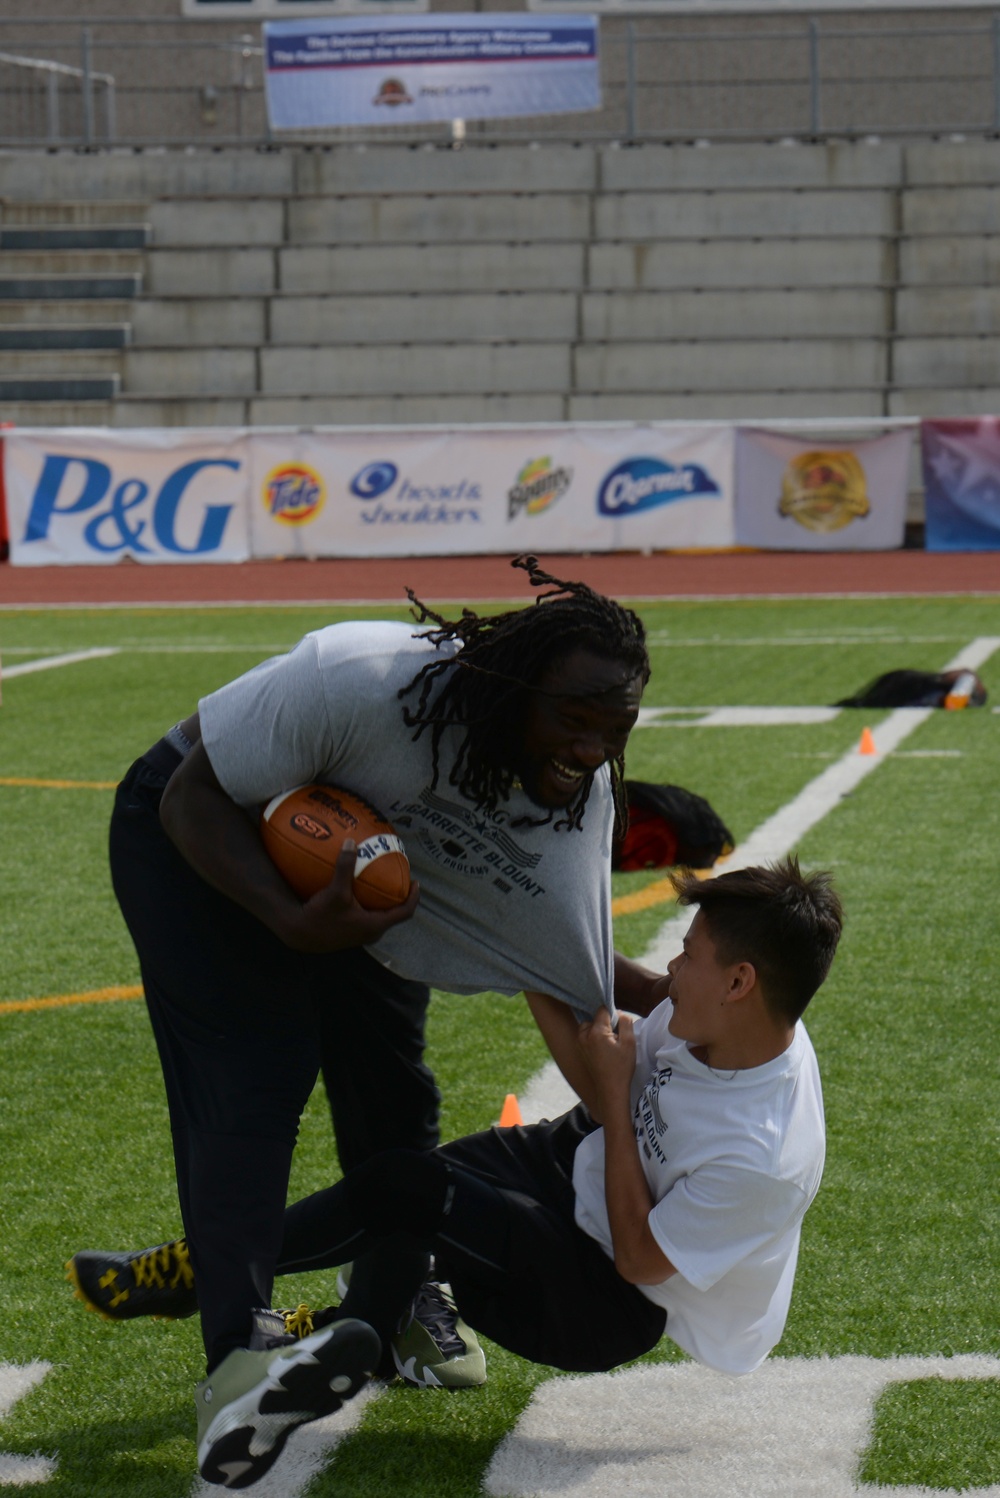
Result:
[[364, 70], [394, 492], [91, 495], [4, 534], [961, 461], [821, 495]]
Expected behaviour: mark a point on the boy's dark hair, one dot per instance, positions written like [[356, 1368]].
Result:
[[501, 660], [785, 922]]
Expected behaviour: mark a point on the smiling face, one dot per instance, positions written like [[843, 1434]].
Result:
[[699, 986], [578, 717]]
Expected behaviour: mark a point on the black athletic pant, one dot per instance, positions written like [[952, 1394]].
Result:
[[243, 1025], [497, 1211]]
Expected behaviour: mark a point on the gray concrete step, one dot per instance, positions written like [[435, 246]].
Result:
[[409, 218], [939, 400], [950, 260], [189, 371], [71, 362], [362, 410], [930, 310], [54, 388], [753, 263], [816, 364], [835, 164], [199, 322], [951, 210], [948, 163], [210, 272], [74, 237], [218, 221], [392, 169], [743, 215], [458, 369], [441, 267], [72, 176], [70, 262], [947, 362], [63, 312], [816, 313], [724, 405], [52, 336], [458, 317], [58, 413], [72, 213]]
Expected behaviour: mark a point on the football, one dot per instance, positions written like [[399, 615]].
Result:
[[304, 830]]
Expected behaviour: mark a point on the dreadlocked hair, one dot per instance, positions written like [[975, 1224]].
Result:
[[483, 685]]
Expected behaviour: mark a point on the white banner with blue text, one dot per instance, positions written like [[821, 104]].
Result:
[[401, 70], [201, 495], [432, 492], [92, 495]]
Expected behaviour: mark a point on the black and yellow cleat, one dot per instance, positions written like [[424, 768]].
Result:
[[155, 1282]]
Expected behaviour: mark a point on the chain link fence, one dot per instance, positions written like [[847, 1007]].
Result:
[[161, 82]]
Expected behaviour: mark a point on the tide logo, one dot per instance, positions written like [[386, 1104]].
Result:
[[293, 493]]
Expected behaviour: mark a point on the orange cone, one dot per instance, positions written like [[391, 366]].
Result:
[[867, 745], [510, 1113]]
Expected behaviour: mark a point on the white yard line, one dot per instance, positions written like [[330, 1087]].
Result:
[[49, 662], [796, 1426], [780, 833], [16, 1380]]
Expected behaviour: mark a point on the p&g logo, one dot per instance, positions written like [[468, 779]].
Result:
[[644, 483], [72, 486]]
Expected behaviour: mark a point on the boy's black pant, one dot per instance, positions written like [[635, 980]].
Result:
[[497, 1210], [243, 1026]]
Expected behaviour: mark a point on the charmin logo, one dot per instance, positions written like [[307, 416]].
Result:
[[411, 503], [311, 827], [293, 493], [824, 491], [392, 91], [644, 483], [537, 486]]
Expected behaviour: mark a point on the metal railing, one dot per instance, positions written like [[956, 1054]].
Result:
[[191, 83], [53, 74]]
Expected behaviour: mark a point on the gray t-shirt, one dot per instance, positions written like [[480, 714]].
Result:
[[501, 908]]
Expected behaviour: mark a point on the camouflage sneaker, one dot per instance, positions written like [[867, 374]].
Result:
[[435, 1348], [152, 1282], [248, 1406]]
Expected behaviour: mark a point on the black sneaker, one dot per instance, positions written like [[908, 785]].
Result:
[[152, 1282], [282, 1328]]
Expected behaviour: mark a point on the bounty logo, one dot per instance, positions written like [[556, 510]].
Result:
[[537, 486], [293, 493], [644, 483]]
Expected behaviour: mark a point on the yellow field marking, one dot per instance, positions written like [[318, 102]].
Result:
[[660, 893], [95, 996], [61, 785]]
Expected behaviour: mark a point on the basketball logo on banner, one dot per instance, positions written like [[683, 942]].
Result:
[[824, 491]]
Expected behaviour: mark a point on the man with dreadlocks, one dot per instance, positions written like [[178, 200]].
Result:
[[495, 745]]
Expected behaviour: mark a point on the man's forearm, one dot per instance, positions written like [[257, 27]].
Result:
[[637, 988], [638, 1257]]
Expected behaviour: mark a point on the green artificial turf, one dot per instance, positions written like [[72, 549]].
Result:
[[899, 1250]]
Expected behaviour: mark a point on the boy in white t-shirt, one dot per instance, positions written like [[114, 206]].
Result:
[[669, 1200]]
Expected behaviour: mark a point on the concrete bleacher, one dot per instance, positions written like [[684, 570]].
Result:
[[509, 283]]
